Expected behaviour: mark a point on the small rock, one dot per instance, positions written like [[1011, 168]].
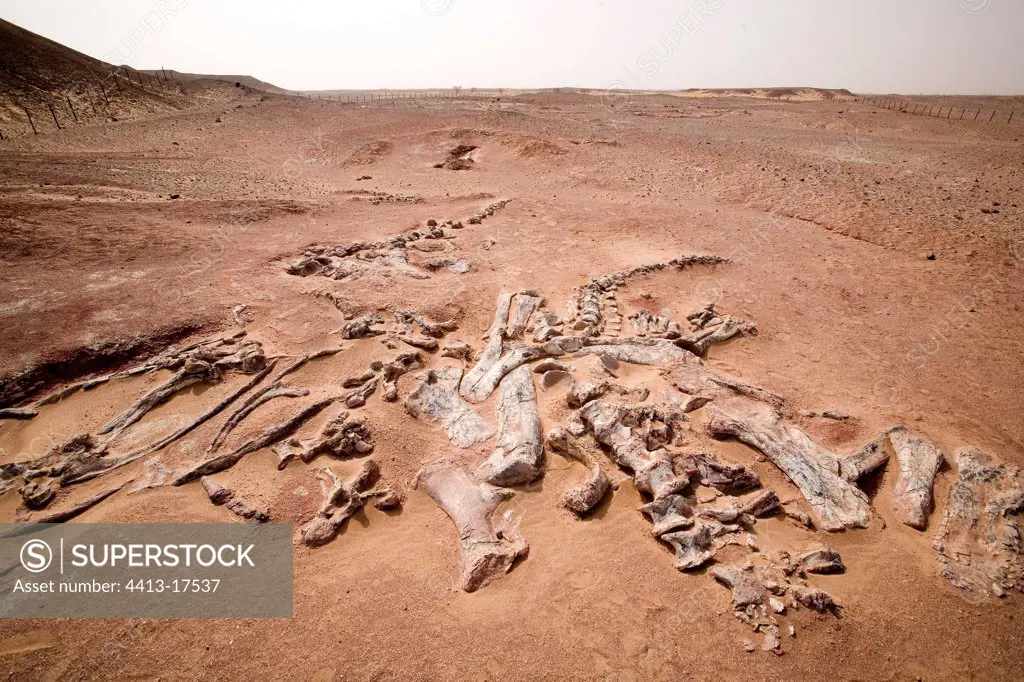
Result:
[[431, 223], [931, 256], [777, 606], [175, 196]]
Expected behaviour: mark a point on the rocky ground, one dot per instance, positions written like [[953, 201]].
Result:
[[877, 254]]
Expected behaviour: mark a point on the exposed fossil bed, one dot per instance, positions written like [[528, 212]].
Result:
[[504, 457]]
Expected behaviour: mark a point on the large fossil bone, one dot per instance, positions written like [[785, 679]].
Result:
[[731, 479], [275, 390], [625, 431], [487, 553], [342, 500], [221, 496], [269, 436], [695, 546], [517, 458], [837, 502], [477, 385], [436, 398], [669, 514], [94, 468], [430, 328], [919, 462], [583, 497], [74, 510], [636, 351], [340, 438], [194, 372], [979, 544]]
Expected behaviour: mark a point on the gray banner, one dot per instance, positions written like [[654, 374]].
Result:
[[137, 570]]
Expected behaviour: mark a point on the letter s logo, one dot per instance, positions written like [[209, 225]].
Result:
[[36, 556]]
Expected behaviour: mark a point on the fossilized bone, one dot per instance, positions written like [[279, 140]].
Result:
[[301, 362], [37, 495], [692, 377], [861, 463], [512, 314], [363, 327], [820, 559], [422, 342], [487, 553], [488, 357], [625, 431], [269, 436], [19, 413], [477, 387], [500, 322], [636, 351], [247, 354], [707, 470], [547, 327], [695, 546], [274, 390], [221, 496], [79, 474], [747, 588], [520, 450], [459, 350], [837, 503], [699, 342], [669, 514], [194, 372], [979, 544], [488, 211], [75, 510], [523, 306], [703, 317], [340, 438], [356, 397], [919, 462], [583, 497], [436, 398], [646, 323], [430, 328], [395, 369], [342, 500]]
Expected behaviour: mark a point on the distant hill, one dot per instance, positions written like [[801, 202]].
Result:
[[247, 81], [52, 81], [804, 94]]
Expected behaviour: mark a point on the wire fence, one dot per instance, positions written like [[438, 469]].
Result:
[[97, 100], [35, 111], [952, 113]]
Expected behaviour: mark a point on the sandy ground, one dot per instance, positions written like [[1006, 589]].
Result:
[[828, 212]]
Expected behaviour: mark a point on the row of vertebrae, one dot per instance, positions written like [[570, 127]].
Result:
[[594, 309]]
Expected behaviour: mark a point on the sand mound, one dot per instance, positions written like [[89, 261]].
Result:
[[369, 153]]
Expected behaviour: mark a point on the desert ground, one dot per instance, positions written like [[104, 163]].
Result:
[[873, 257]]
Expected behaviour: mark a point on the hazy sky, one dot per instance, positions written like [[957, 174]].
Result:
[[908, 46]]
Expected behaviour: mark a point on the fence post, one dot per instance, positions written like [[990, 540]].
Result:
[[992, 118], [54, 114], [949, 113], [30, 121], [104, 91], [117, 82], [1012, 112], [962, 112], [72, 108]]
